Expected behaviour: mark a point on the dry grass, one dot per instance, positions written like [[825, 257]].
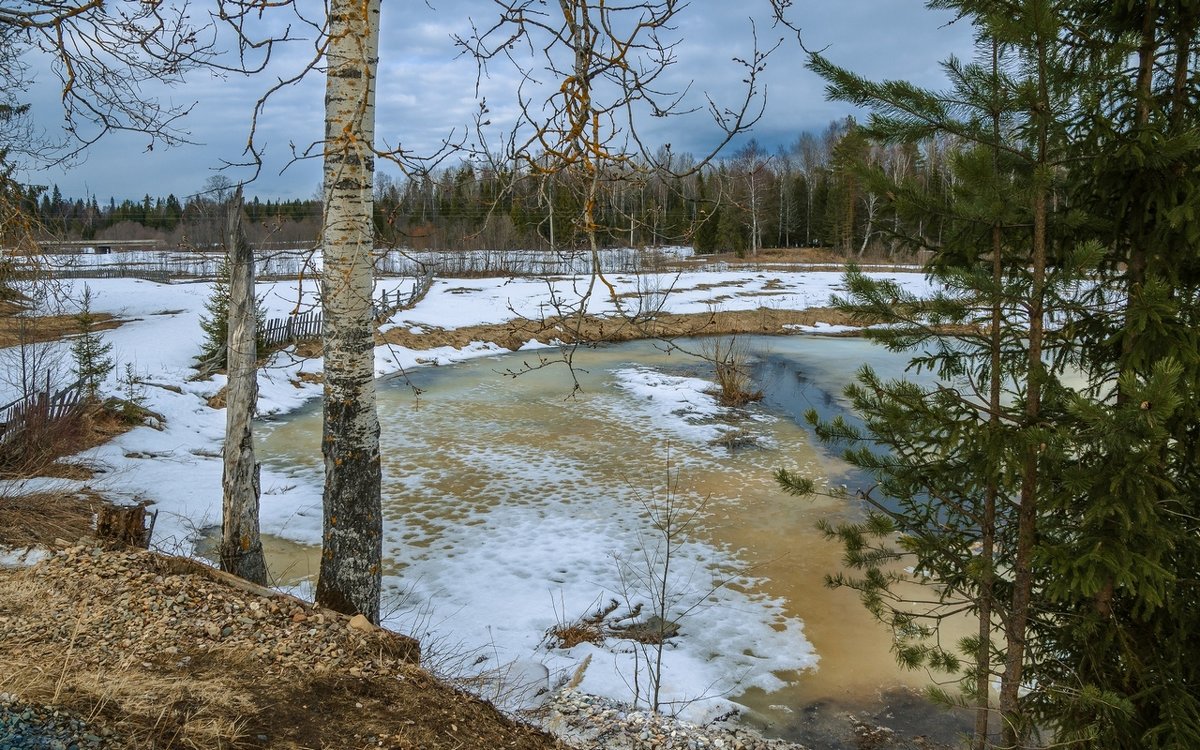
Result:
[[39, 444], [731, 366], [16, 330], [571, 634], [41, 518], [588, 629], [37, 451], [516, 333], [149, 709]]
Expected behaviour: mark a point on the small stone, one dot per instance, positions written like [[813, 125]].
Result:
[[360, 623], [299, 617]]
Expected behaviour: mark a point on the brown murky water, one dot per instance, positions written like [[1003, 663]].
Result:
[[461, 439]]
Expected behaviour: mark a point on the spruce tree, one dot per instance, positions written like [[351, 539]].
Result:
[[215, 321], [91, 354], [1123, 558], [966, 468], [1066, 519]]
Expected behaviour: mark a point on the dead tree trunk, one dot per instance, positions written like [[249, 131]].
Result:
[[241, 547]]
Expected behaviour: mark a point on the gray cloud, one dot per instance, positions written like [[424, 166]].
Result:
[[427, 91]]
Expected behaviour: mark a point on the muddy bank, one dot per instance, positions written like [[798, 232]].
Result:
[[592, 329]]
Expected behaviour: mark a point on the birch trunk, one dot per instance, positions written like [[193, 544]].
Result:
[[241, 547], [352, 542]]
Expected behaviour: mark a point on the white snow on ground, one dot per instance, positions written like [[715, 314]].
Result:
[[19, 557], [455, 303], [679, 406], [178, 467]]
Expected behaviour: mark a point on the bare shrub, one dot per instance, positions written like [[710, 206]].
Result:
[[731, 363], [29, 449]]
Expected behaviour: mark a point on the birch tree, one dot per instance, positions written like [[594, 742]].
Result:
[[351, 554]]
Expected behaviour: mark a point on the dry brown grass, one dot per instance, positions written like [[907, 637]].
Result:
[[41, 518], [731, 366], [588, 629], [516, 333], [571, 634], [147, 708], [16, 330], [37, 453], [39, 444]]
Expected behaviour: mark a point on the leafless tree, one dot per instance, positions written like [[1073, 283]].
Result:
[[241, 544], [590, 72], [752, 163]]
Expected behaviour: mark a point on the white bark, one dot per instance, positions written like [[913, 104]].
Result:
[[352, 544]]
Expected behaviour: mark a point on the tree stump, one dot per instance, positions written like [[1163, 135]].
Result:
[[123, 526]]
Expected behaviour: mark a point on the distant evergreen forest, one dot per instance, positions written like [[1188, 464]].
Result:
[[814, 193]]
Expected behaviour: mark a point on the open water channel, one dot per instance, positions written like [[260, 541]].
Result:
[[511, 506]]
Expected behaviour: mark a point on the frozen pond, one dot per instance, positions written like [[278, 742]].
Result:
[[510, 508]]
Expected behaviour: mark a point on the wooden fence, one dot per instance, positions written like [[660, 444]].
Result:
[[39, 410], [292, 329], [310, 325], [112, 272], [168, 266]]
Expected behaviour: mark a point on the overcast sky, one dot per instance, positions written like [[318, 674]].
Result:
[[426, 91]]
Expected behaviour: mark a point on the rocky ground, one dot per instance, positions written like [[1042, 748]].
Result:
[[136, 650], [587, 721]]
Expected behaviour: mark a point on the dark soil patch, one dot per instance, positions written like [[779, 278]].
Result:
[[414, 711]]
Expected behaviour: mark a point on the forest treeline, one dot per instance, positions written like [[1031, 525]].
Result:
[[809, 194]]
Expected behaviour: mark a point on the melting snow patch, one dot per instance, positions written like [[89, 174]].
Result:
[[22, 557], [820, 328], [680, 406]]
